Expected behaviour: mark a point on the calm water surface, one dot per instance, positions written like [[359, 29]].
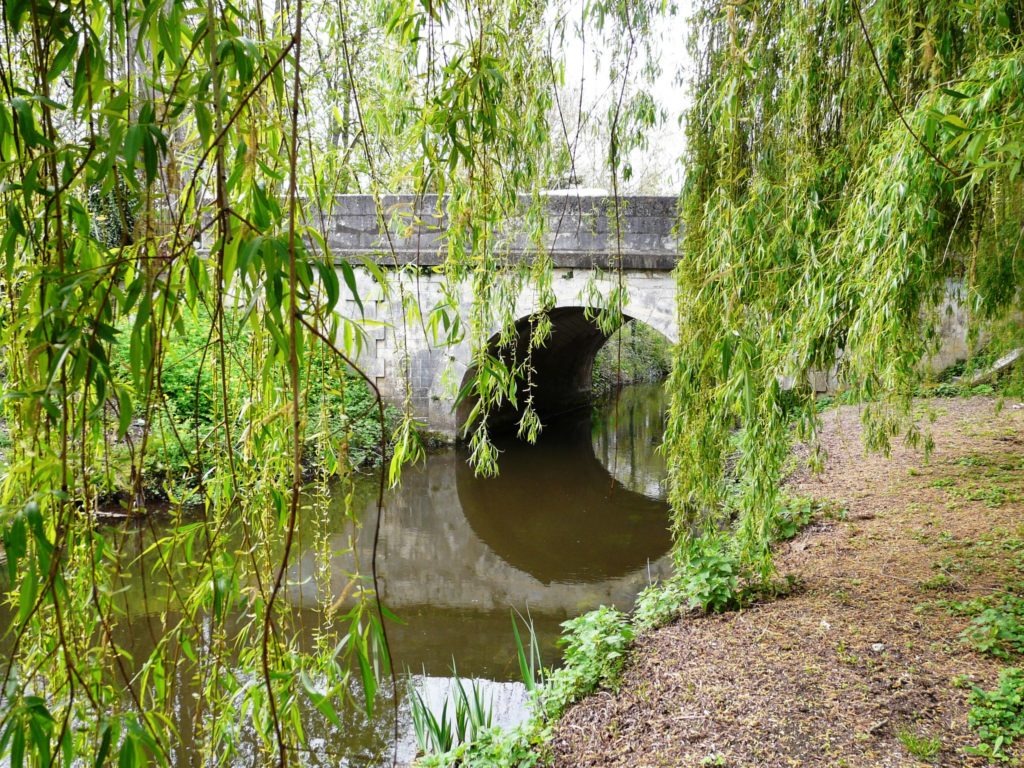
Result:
[[576, 521]]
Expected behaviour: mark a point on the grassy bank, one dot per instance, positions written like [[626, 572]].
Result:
[[634, 354], [899, 644]]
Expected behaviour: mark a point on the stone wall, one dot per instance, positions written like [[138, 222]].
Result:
[[580, 232], [580, 239]]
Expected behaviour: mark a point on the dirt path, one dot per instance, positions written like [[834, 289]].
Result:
[[863, 658]]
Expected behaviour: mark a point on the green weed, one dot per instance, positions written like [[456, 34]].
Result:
[[438, 733], [998, 630], [998, 715], [940, 582], [922, 747], [594, 652]]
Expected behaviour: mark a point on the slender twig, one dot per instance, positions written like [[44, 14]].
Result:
[[892, 97], [294, 317]]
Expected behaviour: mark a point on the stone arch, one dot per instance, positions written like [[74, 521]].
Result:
[[562, 367]]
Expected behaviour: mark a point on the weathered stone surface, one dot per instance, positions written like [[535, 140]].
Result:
[[586, 247], [581, 232]]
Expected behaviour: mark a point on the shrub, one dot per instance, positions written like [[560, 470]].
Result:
[[594, 652], [635, 353], [341, 406], [660, 604], [709, 574]]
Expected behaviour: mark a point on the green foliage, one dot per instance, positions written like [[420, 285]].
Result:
[[491, 748], [922, 747], [998, 715], [709, 575], [594, 652], [634, 353], [660, 604], [709, 572], [594, 647], [531, 670], [439, 733], [998, 630], [792, 517], [831, 204], [187, 432]]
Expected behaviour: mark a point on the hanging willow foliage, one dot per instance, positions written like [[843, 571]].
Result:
[[849, 164], [167, 165]]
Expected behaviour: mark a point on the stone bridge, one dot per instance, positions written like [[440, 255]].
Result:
[[585, 247]]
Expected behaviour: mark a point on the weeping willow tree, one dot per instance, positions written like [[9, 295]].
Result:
[[211, 138], [849, 163]]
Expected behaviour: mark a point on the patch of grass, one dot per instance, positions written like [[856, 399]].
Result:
[[992, 496], [845, 655], [972, 460], [940, 582], [922, 747]]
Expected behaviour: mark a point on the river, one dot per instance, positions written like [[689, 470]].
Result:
[[576, 521]]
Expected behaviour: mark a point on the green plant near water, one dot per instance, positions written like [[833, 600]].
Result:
[[594, 652], [634, 353], [185, 434], [439, 732], [482, 745], [709, 574], [492, 748]]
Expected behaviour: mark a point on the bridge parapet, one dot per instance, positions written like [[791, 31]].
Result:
[[580, 231]]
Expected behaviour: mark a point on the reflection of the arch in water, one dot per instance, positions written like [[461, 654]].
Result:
[[552, 529], [556, 513], [554, 535], [626, 434]]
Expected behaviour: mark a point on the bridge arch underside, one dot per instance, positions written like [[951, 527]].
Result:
[[562, 368]]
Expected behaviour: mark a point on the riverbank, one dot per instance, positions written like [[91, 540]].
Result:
[[865, 664]]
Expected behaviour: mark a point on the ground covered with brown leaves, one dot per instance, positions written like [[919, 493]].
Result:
[[864, 658]]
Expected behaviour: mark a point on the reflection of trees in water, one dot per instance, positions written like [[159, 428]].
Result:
[[626, 434]]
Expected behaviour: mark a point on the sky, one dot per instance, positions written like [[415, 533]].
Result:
[[657, 168]]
